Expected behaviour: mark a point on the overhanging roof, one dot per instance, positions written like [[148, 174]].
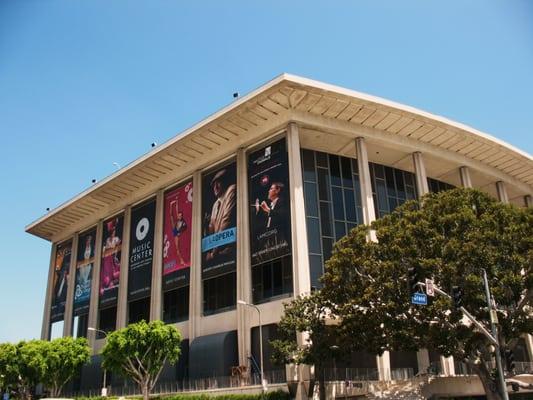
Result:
[[285, 98]]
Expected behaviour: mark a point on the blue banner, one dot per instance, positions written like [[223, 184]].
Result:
[[222, 238]]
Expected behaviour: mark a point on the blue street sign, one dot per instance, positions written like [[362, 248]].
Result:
[[420, 299]]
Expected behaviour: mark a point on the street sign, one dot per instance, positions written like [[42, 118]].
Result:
[[420, 299], [430, 289]]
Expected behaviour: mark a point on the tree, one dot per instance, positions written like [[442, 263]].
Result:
[[449, 237], [140, 351], [307, 315], [21, 367], [63, 358], [9, 368]]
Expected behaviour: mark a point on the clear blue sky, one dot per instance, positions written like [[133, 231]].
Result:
[[86, 84]]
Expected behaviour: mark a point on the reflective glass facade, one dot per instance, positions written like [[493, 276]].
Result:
[[332, 204], [333, 200]]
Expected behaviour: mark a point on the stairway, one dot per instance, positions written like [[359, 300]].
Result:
[[398, 390]]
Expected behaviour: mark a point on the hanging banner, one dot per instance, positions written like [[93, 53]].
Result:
[[219, 232], [270, 218], [177, 237], [141, 251], [110, 268], [60, 283], [84, 272]]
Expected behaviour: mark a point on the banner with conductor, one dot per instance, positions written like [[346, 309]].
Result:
[[270, 217]]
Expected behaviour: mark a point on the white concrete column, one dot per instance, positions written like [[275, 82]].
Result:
[[421, 178], [447, 366], [367, 200], [157, 262], [45, 329], [122, 301], [369, 215], [69, 304], [95, 285], [300, 252], [383, 363], [244, 281], [195, 284], [466, 181], [422, 359], [528, 200], [502, 192]]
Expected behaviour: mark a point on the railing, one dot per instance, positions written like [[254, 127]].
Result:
[[366, 374], [351, 374], [521, 367], [188, 385]]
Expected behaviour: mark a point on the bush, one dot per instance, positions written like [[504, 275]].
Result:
[[278, 395]]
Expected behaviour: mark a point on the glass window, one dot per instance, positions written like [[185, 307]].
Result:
[[139, 310], [325, 218], [316, 270], [107, 320], [272, 279], [335, 171], [219, 293], [323, 184], [308, 162], [313, 233], [338, 206], [176, 305], [311, 200], [391, 187]]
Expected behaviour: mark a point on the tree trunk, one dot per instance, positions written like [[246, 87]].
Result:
[[489, 386], [145, 390], [321, 382]]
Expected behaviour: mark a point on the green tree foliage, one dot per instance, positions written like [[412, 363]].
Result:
[[449, 237], [25, 364], [9, 367], [63, 360], [140, 351]]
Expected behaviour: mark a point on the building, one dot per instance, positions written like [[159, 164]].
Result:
[[278, 176]]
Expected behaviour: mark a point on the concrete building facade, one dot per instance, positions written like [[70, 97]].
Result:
[[346, 158]]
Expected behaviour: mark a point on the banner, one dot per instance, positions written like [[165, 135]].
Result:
[[110, 268], [60, 283], [177, 237], [84, 272], [219, 231], [270, 217], [141, 251]]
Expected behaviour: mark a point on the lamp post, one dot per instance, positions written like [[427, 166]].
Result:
[[242, 302], [104, 386]]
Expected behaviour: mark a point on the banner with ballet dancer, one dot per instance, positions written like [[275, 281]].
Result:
[[60, 283], [270, 215], [110, 267], [177, 237], [84, 272]]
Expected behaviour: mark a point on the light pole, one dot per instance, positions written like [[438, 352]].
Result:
[[104, 386], [242, 302]]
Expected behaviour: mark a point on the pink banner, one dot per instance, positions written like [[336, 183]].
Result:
[[177, 229]]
